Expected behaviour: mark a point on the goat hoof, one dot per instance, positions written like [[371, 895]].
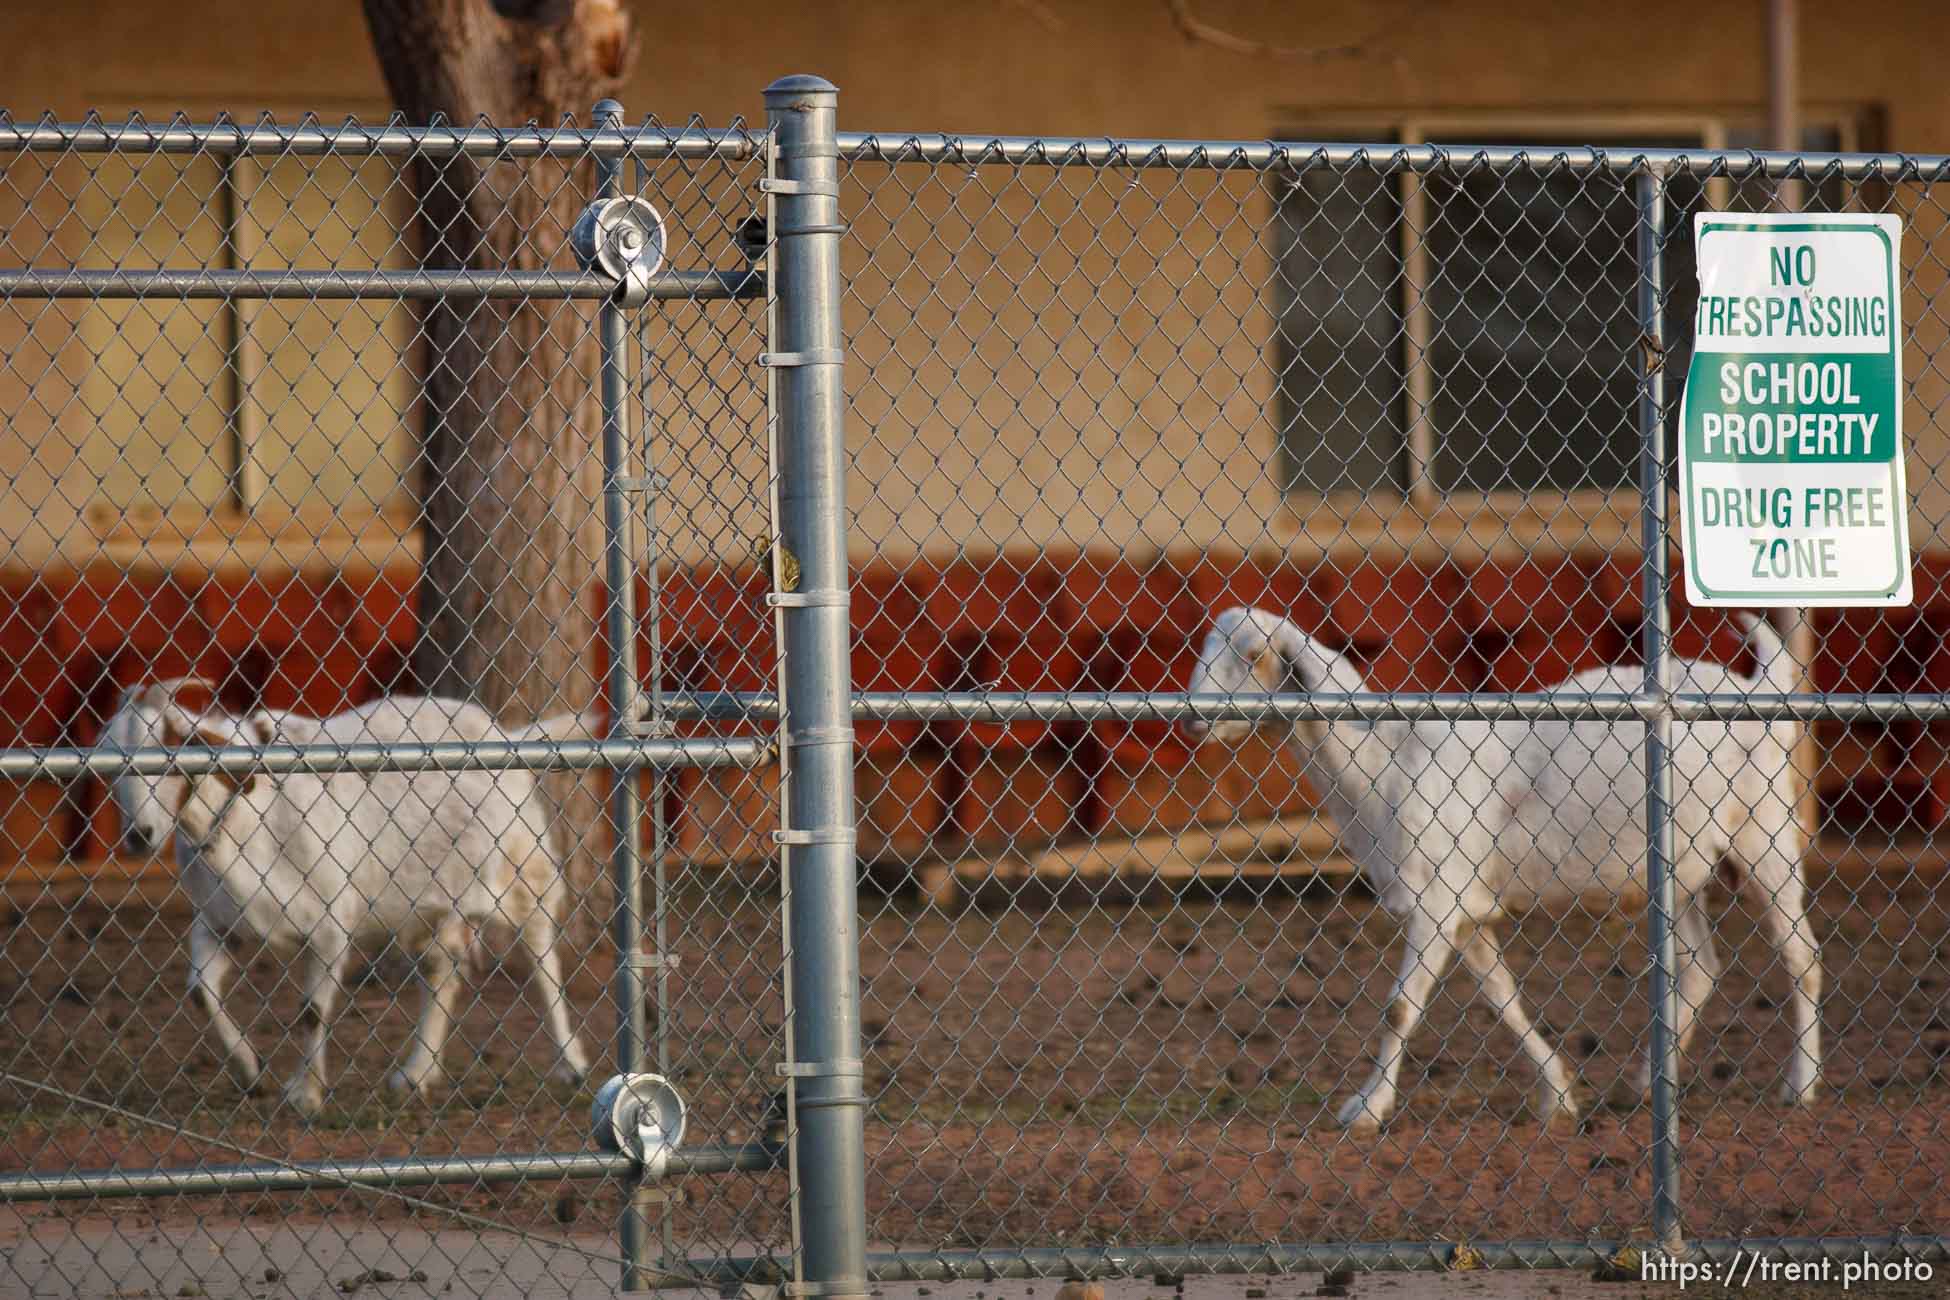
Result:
[[1360, 1117], [308, 1102], [569, 1074], [1558, 1112], [1554, 1100], [1802, 1095], [405, 1087]]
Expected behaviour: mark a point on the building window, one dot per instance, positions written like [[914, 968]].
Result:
[[1473, 332], [207, 407]]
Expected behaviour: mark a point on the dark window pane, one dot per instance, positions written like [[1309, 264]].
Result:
[[1338, 346], [1534, 347]]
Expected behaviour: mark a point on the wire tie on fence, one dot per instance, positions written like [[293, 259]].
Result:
[[819, 598], [776, 185], [840, 1067], [810, 357], [827, 835], [837, 228], [1654, 353]]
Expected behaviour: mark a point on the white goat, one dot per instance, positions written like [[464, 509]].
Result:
[[324, 863], [1455, 824]]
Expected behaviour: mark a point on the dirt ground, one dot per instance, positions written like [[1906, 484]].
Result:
[[261, 1262], [1095, 1072]]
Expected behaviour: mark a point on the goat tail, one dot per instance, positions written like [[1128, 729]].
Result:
[[1774, 662]]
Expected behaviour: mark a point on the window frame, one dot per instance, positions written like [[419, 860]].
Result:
[[239, 176], [1422, 499]]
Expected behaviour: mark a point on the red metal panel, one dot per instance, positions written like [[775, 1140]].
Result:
[[275, 612], [111, 612], [1535, 659], [318, 682], [1026, 597], [1407, 626], [1554, 596]]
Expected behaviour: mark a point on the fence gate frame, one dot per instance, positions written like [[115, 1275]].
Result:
[[619, 249]]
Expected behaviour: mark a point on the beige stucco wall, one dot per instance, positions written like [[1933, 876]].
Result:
[[1105, 379]]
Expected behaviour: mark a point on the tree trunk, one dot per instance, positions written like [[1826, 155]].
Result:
[[509, 474]]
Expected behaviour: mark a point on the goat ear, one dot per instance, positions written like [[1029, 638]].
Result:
[[263, 729], [1277, 671], [197, 693], [180, 728]]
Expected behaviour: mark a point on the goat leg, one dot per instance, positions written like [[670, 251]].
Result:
[[1430, 947], [328, 953], [1484, 956], [210, 969], [440, 981]]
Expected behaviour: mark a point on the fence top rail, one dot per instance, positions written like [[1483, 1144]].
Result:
[[646, 140], [1412, 706], [389, 756], [650, 141], [1287, 155], [341, 285]]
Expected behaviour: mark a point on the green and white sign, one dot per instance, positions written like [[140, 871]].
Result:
[[1791, 441]]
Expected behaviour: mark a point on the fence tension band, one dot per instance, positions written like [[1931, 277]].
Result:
[[823, 598], [827, 835], [656, 960], [844, 1067], [809, 736], [775, 185], [810, 357]]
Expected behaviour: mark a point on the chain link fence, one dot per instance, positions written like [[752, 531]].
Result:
[[1411, 403], [306, 420]]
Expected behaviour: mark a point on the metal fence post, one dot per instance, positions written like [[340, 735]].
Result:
[[625, 800], [822, 1069], [1651, 193]]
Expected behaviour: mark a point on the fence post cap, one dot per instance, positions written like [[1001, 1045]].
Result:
[[800, 83]]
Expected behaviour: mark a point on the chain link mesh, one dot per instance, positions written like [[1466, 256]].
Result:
[[1124, 986], [1118, 986], [224, 487]]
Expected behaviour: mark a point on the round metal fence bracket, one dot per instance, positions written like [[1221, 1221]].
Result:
[[623, 237], [641, 1116]]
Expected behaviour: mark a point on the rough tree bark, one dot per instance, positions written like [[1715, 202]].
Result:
[[509, 477]]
